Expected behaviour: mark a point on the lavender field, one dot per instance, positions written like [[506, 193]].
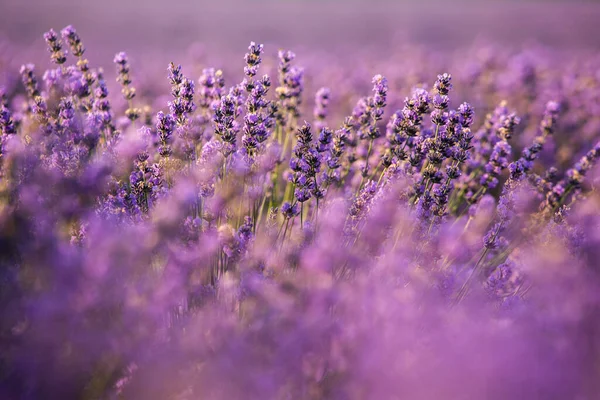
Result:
[[299, 200]]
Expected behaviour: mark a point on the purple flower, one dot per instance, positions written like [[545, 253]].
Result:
[[291, 85], [419, 102], [253, 59], [443, 84], [72, 38], [226, 127], [290, 211], [55, 46], [498, 162], [175, 77], [29, 80], [124, 78], [440, 102], [466, 114], [183, 103], [325, 138], [439, 117], [508, 124], [551, 112], [7, 125], [211, 88], [165, 125], [322, 98], [302, 194]]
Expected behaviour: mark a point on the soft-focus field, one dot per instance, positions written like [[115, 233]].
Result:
[[372, 205]]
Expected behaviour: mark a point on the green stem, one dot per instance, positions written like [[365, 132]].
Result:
[[369, 150], [287, 223], [260, 213], [381, 176], [463, 290]]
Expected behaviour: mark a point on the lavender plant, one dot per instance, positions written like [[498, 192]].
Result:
[[219, 246]]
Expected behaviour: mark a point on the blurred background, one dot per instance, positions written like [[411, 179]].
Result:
[[341, 43], [170, 27]]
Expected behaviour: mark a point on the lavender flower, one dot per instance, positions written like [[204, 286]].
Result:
[[466, 114], [226, 127], [253, 59], [305, 165], [29, 80], [322, 98], [182, 90], [7, 125], [290, 211], [572, 181], [257, 120], [124, 79], [443, 84], [72, 38], [524, 164], [291, 84], [55, 46], [165, 125], [369, 110], [498, 162], [333, 158], [508, 125]]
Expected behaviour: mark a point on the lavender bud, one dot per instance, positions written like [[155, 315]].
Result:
[[72, 38], [466, 114], [443, 84], [55, 46], [322, 98], [253, 59], [290, 211]]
